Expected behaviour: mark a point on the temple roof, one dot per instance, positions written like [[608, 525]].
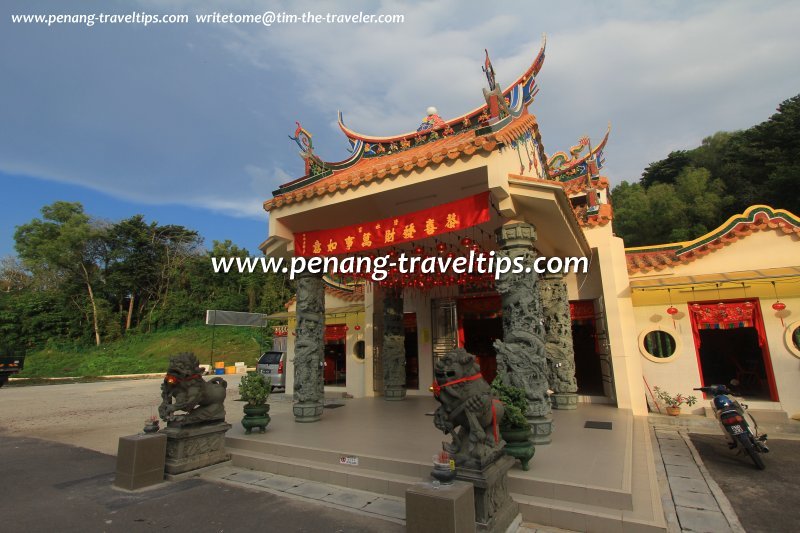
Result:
[[755, 218], [374, 158], [462, 145], [520, 94]]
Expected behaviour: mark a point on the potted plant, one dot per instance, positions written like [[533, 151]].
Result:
[[254, 389], [514, 427], [674, 402]]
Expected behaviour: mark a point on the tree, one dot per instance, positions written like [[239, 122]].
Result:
[[65, 242], [726, 174], [666, 170]]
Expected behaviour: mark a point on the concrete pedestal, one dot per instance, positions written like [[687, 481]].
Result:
[[494, 508], [446, 509], [140, 461], [541, 429], [196, 446], [564, 400], [394, 393], [307, 411]]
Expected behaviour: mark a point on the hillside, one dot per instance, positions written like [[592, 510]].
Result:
[[145, 353]]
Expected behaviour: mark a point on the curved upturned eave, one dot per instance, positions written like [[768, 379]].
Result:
[[583, 159], [533, 70]]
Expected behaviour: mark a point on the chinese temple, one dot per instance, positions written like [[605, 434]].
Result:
[[675, 316]]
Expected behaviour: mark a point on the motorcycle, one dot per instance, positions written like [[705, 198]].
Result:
[[732, 416]]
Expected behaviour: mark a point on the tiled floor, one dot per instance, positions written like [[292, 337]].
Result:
[[404, 431]]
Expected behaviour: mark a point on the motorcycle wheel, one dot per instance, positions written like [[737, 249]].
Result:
[[751, 450]]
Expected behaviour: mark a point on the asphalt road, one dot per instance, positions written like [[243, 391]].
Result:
[[764, 500], [47, 486]]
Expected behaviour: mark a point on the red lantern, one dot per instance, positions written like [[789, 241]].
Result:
[[779, 306], [696, 307], [419, 250], [347, 328], [748, 305], [672, 310], [441, 247], [466, 241], [358, 327]]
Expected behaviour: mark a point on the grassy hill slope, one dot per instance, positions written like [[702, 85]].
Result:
[[142, 353]]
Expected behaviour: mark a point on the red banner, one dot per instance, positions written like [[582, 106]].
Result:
[[415, 226]]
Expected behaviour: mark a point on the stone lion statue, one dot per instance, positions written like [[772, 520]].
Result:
[[468, 411], [185, 390]]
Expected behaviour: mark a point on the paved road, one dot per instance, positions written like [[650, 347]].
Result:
[[47, 486], [764, 500], [93, 415]]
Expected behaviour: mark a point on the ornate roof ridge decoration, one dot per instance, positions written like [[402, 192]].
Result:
[[503, 121], [377, 169], [519, 94], [565, 167], [755, 218]]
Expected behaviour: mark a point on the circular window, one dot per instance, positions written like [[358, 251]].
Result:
[[659, 345], [792, 338], [359, 350]]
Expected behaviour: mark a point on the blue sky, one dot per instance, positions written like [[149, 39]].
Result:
[[188, 124]]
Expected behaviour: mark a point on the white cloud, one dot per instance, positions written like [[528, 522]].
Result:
[[199, 114]]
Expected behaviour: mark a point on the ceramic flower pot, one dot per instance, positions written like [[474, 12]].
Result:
[[255, 416], [673, 411], [518, 444]]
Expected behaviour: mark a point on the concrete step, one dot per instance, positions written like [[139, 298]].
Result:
[[379, 482], [582, 517], [391, 476]]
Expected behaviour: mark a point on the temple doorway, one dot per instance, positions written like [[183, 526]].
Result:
[[335, 371], [731, 345], [412, 350], [588, 369], [480, 323]]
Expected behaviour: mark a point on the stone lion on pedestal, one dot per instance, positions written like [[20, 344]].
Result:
[[185, 390], [468, 411]]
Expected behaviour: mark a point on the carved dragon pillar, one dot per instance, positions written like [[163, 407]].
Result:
[[309, 393], [521, 356], [558, 341], [394, 350]]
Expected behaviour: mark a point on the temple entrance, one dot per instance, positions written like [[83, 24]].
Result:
[[479, 325], [412, 350], [588, 369], [335, 372], [731, 345]]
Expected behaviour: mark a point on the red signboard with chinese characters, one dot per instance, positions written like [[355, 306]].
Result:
[[416, 226]]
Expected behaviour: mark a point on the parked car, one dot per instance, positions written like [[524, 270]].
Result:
[[272, 365]]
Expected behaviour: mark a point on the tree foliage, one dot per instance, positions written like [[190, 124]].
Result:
[[690, 192], [78, 280]]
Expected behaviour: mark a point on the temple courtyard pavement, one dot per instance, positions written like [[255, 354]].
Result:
[[605, 470]]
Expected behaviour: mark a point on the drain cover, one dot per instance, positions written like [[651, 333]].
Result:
[[593, 424], [333, 405]]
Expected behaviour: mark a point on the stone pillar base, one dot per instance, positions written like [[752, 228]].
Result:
[[195, 446], [494, 509], [307, 411], [564, 400], [541, 429], [394, 394]]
